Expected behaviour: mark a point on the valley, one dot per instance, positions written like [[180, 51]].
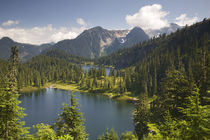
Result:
[[143, 88]]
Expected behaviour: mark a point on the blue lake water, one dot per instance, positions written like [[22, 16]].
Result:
[[99, 111]]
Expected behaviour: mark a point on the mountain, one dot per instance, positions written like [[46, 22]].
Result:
[[188, 41], [135, 36], [97, 42], [181, 56], [90, 43], [167, 30], [26, 51]]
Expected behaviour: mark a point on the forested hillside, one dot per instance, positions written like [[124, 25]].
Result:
[[186, 50], [187, 39], [56, 53], [169, 75]]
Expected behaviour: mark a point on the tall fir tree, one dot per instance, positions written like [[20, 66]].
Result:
[[112, 135], [71, 121], [11, 127], [141, 116], [174, 89], [197, 117]]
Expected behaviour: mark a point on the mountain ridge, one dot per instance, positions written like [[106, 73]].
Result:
[[26, 51], [91, 43]]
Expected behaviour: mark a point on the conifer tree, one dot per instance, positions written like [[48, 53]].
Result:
[[10, 112], [197, 117], [128, 136], [141, 116], [112, 135], [71, 121], [44, 132], [173, 92], [170, 128]]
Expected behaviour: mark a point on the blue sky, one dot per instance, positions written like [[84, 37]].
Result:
[[41, 21]]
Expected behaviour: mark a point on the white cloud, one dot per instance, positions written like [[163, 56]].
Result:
[[38, 35], [81, 21], [149, 17], [10, 23], [182, 20]]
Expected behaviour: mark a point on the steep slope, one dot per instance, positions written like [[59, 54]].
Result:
[[147, 64], [187, 39], [26, 51], [90, 43], [136, 35], [56, 53]]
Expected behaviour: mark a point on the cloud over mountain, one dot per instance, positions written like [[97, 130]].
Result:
[[40, 35], [81, 21], [149, 17], [182, 20], [10, 23]]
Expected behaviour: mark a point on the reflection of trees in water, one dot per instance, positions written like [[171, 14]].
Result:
[[99, 111], [123, 107], [34, 93], [94, 98]]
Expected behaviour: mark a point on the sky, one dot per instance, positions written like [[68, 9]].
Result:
[[44, 21]]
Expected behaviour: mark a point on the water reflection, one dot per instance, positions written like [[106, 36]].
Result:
[[99, 111]]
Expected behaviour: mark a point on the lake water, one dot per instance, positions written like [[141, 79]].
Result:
[[99, 111]]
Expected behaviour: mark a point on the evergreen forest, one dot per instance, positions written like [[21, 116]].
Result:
[[167, 78]]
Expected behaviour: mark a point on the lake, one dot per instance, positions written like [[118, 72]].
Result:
[[99, 111]]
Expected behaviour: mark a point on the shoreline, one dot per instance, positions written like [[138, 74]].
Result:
[[76, 88], [28, 89]]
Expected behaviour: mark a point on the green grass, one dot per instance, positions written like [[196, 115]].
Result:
[[111, 93], [73, 87], [29, 89]]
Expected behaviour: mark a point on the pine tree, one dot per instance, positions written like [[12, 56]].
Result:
[[44, 132], [173, 92], [141, 116], [170, 128], [71, 122], [112, 135], [128, 136], [10, 112], [197, 117]]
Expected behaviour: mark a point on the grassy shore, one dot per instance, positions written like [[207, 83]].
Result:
[[75, 87], [29, 89]]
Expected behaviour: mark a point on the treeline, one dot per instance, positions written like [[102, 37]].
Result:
[[68, 126], [43, 69], [53, 52], [176, 112], [52, 66], [169, 74], [183, 38], [186, 50]]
